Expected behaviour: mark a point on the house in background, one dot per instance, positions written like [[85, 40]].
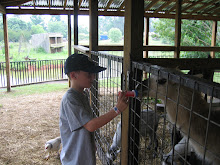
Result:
[[50, 42]]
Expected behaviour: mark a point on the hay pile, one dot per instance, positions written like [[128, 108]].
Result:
[[26, 123]]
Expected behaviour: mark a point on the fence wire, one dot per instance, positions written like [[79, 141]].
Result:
[[175, 119]]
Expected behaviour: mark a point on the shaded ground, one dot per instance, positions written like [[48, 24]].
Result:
[[26, 123]]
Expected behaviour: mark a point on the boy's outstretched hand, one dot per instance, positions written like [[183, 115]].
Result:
[[123, 101]]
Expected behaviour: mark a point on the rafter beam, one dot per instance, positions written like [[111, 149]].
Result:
[[202, 7], [174, 7], [210, 9], [109, 3], [122, 6], [65, 4], [14, 3], [80, 3], [151, 4], [2, 9], [163, 6], [190, 6]]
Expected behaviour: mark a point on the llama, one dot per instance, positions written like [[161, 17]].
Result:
[[186, 104]]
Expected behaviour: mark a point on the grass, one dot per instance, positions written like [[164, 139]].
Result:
[[33, 89]]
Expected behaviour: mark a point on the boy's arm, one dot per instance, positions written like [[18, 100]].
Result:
[[98, 122]]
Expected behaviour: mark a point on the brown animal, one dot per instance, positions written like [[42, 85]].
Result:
[[185, 102]]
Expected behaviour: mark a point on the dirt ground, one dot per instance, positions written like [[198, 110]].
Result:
[[26, 123]]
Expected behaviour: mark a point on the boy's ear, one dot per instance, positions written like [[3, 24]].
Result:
[[73, 75]]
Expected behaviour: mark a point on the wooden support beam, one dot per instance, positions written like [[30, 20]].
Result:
[[69, 35], [214, 35], [178, 28], [76, 10], [133, 50], [7, 60], [146, 35], [93, 25]]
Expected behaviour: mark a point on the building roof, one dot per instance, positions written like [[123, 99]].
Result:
[[191, 9]]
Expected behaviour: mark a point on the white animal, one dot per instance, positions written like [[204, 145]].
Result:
[[186, 99], [148, 126], [52, 145]]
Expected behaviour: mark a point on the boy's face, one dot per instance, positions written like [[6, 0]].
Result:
[[84, 79]]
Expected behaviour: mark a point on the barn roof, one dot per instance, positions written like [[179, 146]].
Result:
[[191, 9]]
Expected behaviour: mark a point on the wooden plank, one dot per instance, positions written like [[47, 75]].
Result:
[[7, 60], [82, 49], [186, 63], [69, 35], [76, 33], [159, 48], [146, 35], [133, 50], [200, 48], [93, 27], [177, 28], [214, 35]]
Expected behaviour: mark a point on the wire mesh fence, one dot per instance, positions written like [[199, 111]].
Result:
[[172, 120], [162, 123]]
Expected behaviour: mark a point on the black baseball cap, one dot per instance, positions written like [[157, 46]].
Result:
[[81, 62]]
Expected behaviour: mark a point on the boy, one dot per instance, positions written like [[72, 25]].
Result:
[[76, 122]]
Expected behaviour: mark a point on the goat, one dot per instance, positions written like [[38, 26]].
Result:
[[148, 126], [176, 95]]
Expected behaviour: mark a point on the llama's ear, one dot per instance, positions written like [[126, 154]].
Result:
[[162, 81]]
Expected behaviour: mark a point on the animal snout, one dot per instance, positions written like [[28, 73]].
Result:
[[142, 88]]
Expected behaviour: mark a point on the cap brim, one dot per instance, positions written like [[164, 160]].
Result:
[[94, 69]]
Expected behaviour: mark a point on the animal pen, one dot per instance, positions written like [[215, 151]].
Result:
[[146, 148]]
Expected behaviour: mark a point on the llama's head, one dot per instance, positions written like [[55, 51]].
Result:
[[153, 87]]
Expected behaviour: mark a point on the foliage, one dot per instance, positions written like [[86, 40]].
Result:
[[83, 36], [115, 34], [37, 20], [55, 18], [193, 33], [164, 28], [106, 23], [36, 29], [58, 27]]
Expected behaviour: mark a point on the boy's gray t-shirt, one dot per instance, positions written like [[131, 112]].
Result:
[[78, 145]]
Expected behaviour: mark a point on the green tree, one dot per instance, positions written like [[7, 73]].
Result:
[[38, 20], [193, 33], [115, 34], [36, 29], [107, 22], [55, 18], [58, 27]]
